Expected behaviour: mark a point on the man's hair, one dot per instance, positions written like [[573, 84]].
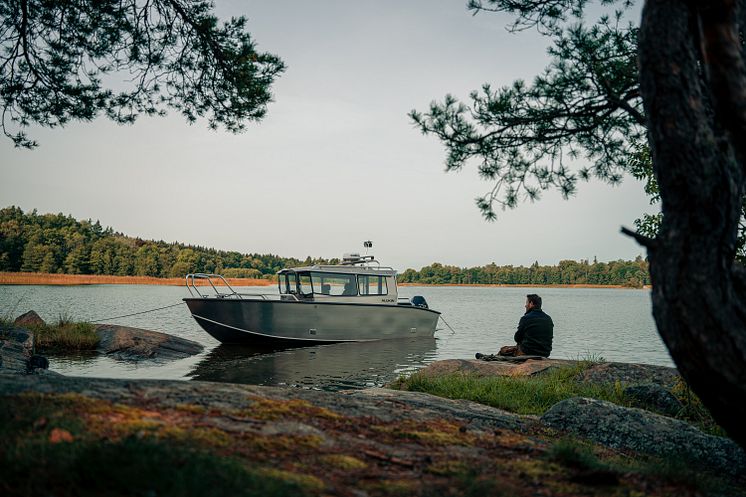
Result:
[[534, 299]]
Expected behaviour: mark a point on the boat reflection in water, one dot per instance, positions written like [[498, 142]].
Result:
[[327, 367]]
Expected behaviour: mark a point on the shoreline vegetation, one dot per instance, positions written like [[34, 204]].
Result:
[[59, 245], [9, 278]]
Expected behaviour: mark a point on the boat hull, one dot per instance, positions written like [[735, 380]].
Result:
[[306, 323]]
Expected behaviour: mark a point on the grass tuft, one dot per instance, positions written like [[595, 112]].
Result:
[[694, 411], [536, 394], [65, 336], [571, 453], [522, 395]]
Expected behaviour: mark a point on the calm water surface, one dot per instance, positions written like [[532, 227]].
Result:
[[615, 324]]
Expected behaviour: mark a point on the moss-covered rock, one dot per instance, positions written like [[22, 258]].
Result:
[[645, 432]]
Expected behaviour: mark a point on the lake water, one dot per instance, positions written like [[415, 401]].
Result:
[[615, 324]]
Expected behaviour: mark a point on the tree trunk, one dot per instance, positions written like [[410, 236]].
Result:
[[693, 86]]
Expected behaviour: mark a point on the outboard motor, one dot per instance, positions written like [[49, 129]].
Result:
[[419, 301]]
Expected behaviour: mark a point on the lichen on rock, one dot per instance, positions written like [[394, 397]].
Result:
[[645, 432]]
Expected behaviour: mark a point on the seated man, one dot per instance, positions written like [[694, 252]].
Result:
[[535, 331]]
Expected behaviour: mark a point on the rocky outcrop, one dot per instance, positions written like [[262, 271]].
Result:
[[644, 432], [16, 352], [604, 372], [652, 396], [491, 368], [630, 374], [368, 442], [356, 443], [126, 343], [379, 403], [31, 318], [16, 346]]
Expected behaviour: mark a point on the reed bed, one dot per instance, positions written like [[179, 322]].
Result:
[[94, 279]]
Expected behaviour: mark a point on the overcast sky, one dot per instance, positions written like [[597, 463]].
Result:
[[336, 161]]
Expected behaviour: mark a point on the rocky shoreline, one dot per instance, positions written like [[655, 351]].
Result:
[[381, 441], [120, 342]]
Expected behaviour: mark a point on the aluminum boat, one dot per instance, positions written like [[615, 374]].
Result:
[[354, 301]]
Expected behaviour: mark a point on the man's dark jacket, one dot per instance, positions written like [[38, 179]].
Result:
[[535, 331]]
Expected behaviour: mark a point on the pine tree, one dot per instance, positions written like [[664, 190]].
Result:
[[165, 54]]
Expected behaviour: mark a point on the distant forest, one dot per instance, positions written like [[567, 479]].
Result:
[[55, 243], [632, 274]]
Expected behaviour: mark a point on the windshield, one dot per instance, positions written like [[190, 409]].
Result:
[[287, 283], [334, 283]]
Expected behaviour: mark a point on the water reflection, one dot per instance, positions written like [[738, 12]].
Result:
[[327, 367]]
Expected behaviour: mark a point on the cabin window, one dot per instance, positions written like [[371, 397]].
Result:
[[372, 284], [334, 284], [287, 283], [305, 283]]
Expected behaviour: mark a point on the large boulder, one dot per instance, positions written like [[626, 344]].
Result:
[[30, 318], [491, 368], [124, 342], [651, 396], [630, 374], [16, 346], [645, 432], [16, 352]]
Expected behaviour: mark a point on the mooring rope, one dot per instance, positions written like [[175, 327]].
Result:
[[453, 332], [136, 313]]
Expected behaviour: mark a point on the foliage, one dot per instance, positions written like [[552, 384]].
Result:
[[522, 395], [585, 108], [581, 118], [691, 81], [55, 243], [641, 167], [693, 411], [65, 336], [633, 274], [536, 394], [63, 61]]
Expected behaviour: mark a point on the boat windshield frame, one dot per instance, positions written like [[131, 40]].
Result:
[[289, 281]]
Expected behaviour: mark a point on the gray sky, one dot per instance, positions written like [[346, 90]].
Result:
[[336, 161]]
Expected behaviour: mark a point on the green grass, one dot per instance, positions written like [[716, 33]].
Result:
[[575, 454], [694, 411], [65, 336], [536, 394], [522, 395]]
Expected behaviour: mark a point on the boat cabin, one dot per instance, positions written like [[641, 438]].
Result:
[[355, 280]]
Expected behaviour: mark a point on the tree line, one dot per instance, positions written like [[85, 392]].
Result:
[[632, 274], [55, 243]]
